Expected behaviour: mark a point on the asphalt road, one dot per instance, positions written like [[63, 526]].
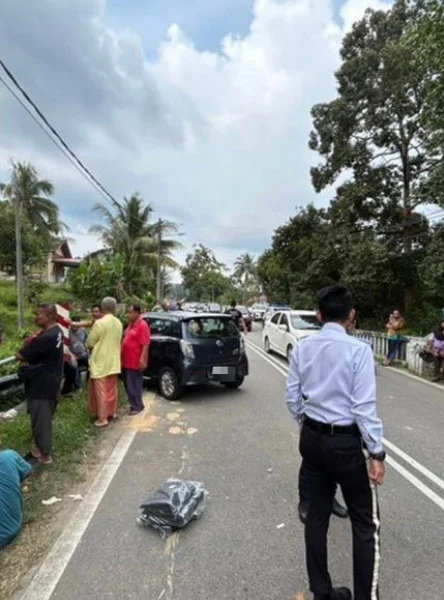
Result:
[[248, 545]]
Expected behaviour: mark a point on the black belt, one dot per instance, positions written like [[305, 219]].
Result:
[[330, 429]]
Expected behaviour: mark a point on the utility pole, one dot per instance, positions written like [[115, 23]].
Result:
[[159, 260], [19, 265]]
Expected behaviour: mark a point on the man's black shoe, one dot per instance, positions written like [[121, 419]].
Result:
[[339, 510], [336, 594], [303, 511]]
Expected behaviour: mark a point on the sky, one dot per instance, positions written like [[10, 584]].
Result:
[[202, 107]]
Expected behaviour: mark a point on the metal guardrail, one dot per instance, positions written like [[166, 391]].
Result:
[[6, 361], [8, 381]]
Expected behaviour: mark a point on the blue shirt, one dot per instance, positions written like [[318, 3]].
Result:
[[13, 470], [332, 380]]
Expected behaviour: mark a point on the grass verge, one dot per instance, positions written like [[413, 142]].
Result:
[[75, 453]]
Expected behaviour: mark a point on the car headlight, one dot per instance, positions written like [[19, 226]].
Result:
[[187, 349]]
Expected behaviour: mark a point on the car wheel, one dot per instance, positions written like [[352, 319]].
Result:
[[267, 347], [168, 383], [289, 352], [233, 385]]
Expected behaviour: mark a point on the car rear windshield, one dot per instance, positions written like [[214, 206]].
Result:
[[210, 327], [305, 322]]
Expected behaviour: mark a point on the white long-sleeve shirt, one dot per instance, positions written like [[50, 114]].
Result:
[[332, 380]]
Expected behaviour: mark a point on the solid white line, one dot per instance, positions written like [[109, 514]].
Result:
[[413, 463], [268, 360], [416, 482], [50, 572], [408, 459]]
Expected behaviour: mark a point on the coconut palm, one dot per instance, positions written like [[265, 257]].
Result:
[[245, 272], [127, 231], [33, 197]]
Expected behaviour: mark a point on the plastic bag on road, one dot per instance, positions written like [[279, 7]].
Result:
[[173, 506]]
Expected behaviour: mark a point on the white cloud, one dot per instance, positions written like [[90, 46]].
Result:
[[216, 141]]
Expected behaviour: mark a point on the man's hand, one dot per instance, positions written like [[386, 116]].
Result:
[[377, 471], [142, 365]]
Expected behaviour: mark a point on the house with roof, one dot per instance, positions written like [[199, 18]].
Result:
[[60, 260]]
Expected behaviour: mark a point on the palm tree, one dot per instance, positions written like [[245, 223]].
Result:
[[33, 197], [245, 272], [127, 231]]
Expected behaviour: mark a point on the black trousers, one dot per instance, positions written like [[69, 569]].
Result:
[[41, 412], [331, 460]]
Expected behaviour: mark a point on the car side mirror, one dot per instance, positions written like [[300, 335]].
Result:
[[283, 327]]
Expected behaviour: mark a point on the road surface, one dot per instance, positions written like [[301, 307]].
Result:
[[249, 543]]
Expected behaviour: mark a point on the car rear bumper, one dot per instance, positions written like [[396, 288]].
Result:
[[202, 374]]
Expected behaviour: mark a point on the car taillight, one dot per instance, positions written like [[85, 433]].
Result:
[[187, 349]]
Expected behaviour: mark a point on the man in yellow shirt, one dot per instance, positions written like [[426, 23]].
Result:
[[104, 364]]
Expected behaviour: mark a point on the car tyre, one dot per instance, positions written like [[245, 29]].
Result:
[[233, 385], [168, 383], [289, 352], [267, 346]]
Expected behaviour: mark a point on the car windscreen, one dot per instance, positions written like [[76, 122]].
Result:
[[305, 322], [209, 327]]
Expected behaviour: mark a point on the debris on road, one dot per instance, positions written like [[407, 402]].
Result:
[[51, 501], [270, 470], [75, 497], [173, 506], [8, 415], [280, 526]]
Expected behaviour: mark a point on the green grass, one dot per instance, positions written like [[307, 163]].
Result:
[[74, 432]]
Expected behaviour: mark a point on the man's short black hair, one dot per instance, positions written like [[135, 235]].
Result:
[[233, 303], [49, 309], [99, 306], [335, 303], [136, 308]]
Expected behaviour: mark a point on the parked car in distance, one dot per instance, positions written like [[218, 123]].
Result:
[[194, 348], [286, 328], [258, 311], [247, 316], [272, 309], [214, 308]]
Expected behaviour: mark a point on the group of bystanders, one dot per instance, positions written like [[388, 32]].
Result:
[[107, 353]]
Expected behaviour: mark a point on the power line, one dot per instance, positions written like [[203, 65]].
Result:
[[45, 131], [64, 145]]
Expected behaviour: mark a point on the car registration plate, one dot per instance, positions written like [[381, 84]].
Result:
[[222, 373]]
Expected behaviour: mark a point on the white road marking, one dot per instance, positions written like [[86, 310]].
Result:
[[47, 577], [413, 463], [416, 482], [283, 370]]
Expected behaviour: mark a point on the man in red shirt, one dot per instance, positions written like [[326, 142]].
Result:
[[136, 341]]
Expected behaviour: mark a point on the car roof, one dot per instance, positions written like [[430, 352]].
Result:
[[302, 313], [179, 315]]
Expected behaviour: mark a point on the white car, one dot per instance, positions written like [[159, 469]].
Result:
[[286, 328]]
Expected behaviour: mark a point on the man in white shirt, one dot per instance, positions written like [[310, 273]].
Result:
[[331, 393]]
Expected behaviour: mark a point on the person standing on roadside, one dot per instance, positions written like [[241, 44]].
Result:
[[237, 317], [135, 345], [331, 392], [41, 371], [395, 327], [104, 364]]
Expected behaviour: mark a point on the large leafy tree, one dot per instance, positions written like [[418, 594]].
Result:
[[373, 132], [128, 230], [203, 276], [33, 195]]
